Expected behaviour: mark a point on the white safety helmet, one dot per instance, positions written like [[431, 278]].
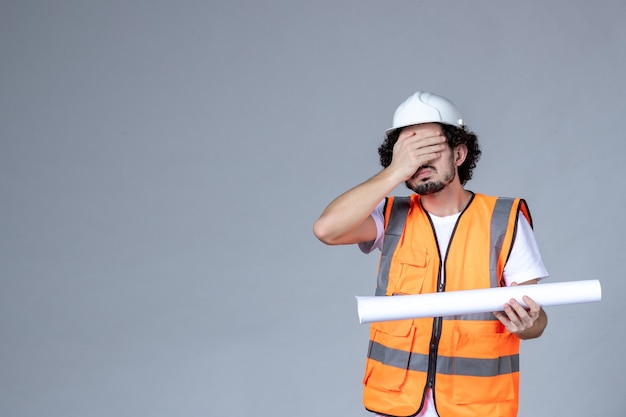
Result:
[[423, 107]]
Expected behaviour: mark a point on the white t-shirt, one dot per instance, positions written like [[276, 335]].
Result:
[[524, 263]]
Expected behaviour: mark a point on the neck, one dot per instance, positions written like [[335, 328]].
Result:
[[451, 200]]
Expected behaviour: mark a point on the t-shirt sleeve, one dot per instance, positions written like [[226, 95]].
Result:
[[379, 218], [525, 261]]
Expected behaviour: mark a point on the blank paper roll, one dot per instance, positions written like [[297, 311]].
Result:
[[401, 307]]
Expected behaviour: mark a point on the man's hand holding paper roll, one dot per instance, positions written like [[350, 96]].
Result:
[[526, 323]]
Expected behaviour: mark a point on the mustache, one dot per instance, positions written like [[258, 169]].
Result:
[[427, 167]]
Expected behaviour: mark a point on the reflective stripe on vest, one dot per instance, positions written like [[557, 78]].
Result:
[[393, 232], [445, 365]]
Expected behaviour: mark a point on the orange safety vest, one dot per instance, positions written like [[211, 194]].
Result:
[[471, 362]]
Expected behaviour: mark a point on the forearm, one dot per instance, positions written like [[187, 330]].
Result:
[[344, 221], [347, 219]]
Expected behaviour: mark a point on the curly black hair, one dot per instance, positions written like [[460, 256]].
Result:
[[454, 135]]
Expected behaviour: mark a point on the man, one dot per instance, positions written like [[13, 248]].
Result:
[[441, 238]]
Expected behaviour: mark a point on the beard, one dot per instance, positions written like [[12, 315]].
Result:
[[428, 187], [434, 186]]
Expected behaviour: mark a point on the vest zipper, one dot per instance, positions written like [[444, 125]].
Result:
[[441, 287], [437, 321], [432, 353]]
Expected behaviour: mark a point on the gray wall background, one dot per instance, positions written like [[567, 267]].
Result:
[[162, 162]]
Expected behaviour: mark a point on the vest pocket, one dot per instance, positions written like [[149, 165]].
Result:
[[482, 372], [408, 270], [388, 358], [398, 328]]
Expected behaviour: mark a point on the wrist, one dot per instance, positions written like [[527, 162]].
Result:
[[394, 175]]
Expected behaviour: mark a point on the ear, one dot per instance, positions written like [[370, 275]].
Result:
[[460, 153]]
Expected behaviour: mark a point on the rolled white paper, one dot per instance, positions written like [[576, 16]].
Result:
[[381, 308]]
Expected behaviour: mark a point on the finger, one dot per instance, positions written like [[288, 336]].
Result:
[[503, 318], [513, 314], [516, 305], [532, 311], [522, 313], [417, 153], [422, 139], [421, 133], [429, 152], [506, 319], [532, 305], [405, 134]]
